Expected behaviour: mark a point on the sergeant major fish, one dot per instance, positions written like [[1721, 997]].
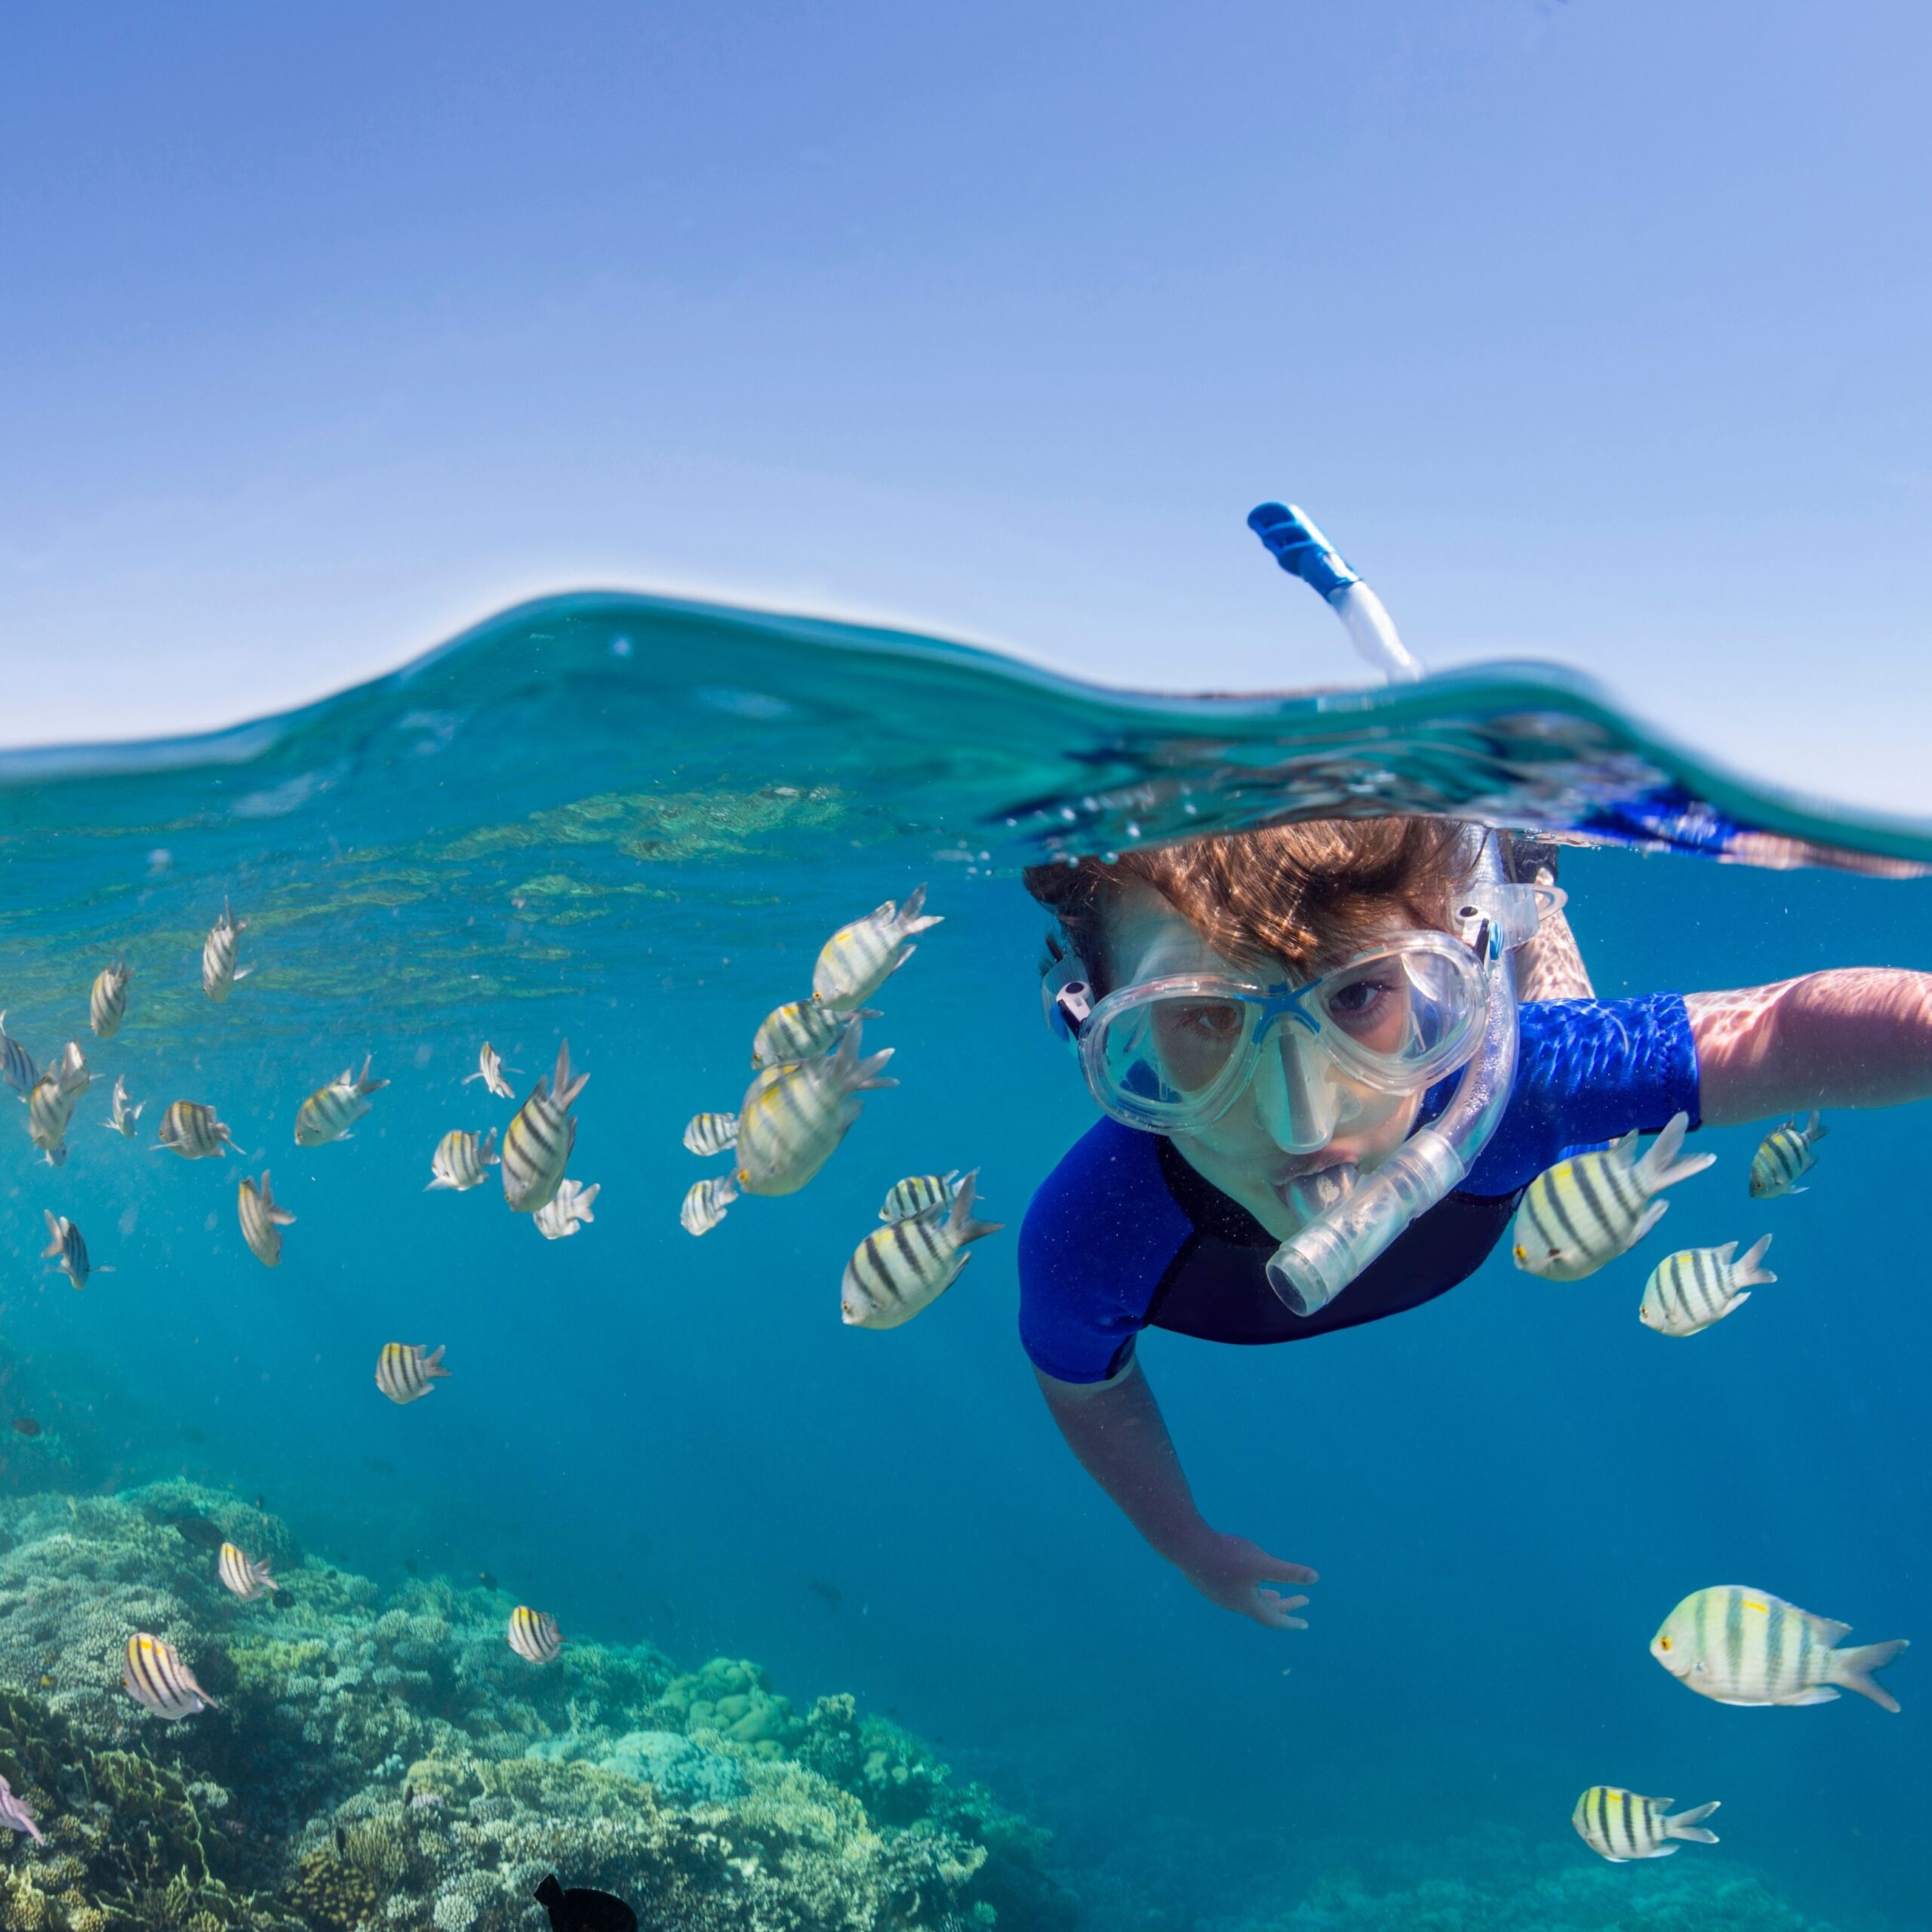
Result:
[[858, 959], [1589, 1209], [406, 1374], [1620, 1825], [51, 1102], [107, 1004], [793, 1117], [901, 1269], [800, 1031], [489, 1070], [712, 1134], [538, 1141], [566, 1210], [330, 1111], [1783, 1156], [121, 1121], [1689, 1290], [918, 1194], [262, 1220], [706, 1203], [462, 1160], [248, 1581], [16, 1066], [1740, 1646], [533, 1635], [67, 1251], [219, 970], [153, 1674], [191, 1129]]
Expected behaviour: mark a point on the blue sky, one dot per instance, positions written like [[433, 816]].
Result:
[[1592, 331]]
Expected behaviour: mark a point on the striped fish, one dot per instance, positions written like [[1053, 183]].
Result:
[[706, 1203], [51, 1103], [537, 1143], [15, 1815], [1589, 1209], [802, 1031], [462, 1160], [1783, 1155], [249, 1581], [1618, 1825], [534, 1635], [919, 1194], [107, 1004], [219, 970], [121, 1121], [67, 1251], [16, 1066], [191, 1129], [567, 1211], [712, 1134], [904, 1266], [406, 1374], [1738, 1646], [793, 1117], [858, 959], [489, 1070], [1690, 1290], [330, 1111], [262, 1220], [153, 1674]]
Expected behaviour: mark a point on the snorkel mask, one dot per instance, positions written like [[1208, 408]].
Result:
[[1174, 1051]]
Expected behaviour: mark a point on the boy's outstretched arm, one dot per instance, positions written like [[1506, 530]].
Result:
[[1117, 1430], [1860, 1036]]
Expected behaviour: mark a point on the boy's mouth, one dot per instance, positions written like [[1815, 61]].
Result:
[[1307, 1190]]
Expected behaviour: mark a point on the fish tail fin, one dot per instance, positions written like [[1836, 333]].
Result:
[[728, 1190], [54, 1241], [1852, 1669], [1815, 1129], [432, 1363], [364, 1084], [909, 919], [1751, 1273], [563, 1088], [963, 1226], [259, 1571], [1686, 1824], [1658, 1167], [240, 972], [856, 1075], [486, 1155], [584, 1202]]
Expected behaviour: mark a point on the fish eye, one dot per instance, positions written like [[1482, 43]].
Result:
[[1663, 1643]]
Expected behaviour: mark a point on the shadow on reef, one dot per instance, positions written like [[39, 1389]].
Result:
[[379, 1764]]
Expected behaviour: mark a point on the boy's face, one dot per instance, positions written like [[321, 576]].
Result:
[[1300, 1118]]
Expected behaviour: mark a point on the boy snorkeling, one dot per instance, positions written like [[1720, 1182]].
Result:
[[1266, 1019]]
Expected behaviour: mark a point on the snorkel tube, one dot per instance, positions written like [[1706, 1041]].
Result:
[[1312, 1267]]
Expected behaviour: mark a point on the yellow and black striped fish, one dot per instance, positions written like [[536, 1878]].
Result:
[[191, 1129], [1784, 1156], [705, 1203], [16, 1066], [51, 1101], [262, 1220], [249, 1581], [1689, 1290], [803, 1030], [219, 970], [534, 1635], [462, 1160], [1589, 1209], [901, 1269], [406, 1374], [153, 1674], [919, 1194], [122, 1120], [107, 1004], [1620, 1825], [1740, 1646], [858, 959], [67, 1251], [489, 1070], [330, 1111], [793, 1117], [566, 1210], [712, 1134], [537, 1143]]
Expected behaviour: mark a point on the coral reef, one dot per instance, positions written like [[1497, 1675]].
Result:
[[380, 1763]]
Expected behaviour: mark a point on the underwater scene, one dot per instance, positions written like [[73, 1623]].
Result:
[[436, 1463]]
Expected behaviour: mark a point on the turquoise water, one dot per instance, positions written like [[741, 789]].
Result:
[[631, 823]]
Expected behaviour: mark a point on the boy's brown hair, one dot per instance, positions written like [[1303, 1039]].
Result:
[[1308, 893]]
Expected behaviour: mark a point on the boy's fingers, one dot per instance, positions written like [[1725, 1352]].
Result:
[[1275, 1611], [1276, 1571]]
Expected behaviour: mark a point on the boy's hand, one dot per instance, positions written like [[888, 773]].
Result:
[[1232, 1572]]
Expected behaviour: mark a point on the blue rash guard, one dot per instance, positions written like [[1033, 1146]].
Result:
[[1124, 1235]]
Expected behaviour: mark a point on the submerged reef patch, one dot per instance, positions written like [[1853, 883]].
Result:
[[389, 1761]]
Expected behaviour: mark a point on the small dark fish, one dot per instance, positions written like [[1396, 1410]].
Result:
[[409, 1563], [830, 1595], [341, 1839], [189, 1434], [379, 1466], [580, 1909], [197, 1531], [25, 1426], [484, 1577]]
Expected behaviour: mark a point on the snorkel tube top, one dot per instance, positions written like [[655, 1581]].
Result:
[[1123, 1234]]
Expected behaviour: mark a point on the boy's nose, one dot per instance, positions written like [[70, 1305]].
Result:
[[1295, 1093]]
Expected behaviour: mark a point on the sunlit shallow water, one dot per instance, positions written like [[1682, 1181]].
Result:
[[631, 823]]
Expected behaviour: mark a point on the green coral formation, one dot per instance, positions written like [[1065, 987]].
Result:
[[392, 1762]]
